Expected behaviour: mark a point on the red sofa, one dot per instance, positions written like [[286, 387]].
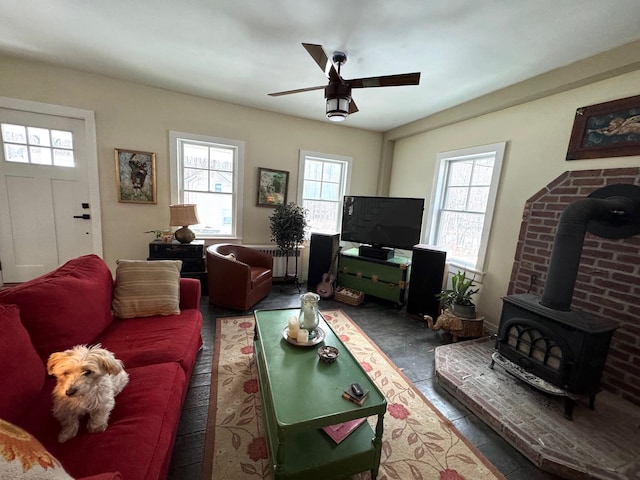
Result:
[[70, 306]]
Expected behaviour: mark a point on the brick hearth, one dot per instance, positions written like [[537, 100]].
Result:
[[597, 444]]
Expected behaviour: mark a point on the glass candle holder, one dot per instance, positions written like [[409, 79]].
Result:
[[309, 314]]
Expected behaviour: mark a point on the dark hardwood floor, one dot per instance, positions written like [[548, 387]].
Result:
[[406, 341]]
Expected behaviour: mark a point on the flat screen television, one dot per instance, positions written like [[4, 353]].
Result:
[[382, 223]]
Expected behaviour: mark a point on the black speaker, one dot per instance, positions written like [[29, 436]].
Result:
[[425, 282], [322, 251]]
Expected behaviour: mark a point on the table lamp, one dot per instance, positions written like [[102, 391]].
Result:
[[184, 215]]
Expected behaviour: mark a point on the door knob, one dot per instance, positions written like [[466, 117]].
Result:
[[84, 216]]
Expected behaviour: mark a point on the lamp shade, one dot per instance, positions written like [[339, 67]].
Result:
[[338, 96], [183, 215]]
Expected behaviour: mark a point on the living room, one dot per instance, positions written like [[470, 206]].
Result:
[[139, 117], [535, 117]]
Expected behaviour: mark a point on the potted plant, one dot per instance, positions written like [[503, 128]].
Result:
[[287, 229], [458, 297]]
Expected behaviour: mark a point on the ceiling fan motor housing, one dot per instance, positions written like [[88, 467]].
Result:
[[338, 96]]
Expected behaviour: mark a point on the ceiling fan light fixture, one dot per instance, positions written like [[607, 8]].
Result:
[[338, 97], [337, 109]]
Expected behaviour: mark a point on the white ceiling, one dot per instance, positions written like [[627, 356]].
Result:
[[238, 51]]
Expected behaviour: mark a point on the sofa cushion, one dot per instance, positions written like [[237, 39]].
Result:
[[74, 301], [148, 340], [24, 457], [139, 438], [147, 288], [23, 372]]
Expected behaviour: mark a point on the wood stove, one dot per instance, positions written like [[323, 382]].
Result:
[[562, 353], [542, 340]]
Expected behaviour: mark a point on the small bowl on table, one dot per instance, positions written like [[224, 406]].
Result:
[[328, 353]]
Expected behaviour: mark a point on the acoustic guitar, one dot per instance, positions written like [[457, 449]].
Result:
[[325, 287]]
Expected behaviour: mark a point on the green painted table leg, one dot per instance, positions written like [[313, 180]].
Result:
[[279, 466], [377, 443]]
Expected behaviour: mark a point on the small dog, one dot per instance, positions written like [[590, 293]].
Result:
[[88, 380]]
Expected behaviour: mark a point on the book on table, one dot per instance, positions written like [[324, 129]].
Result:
[[340, 431], [347, 394]]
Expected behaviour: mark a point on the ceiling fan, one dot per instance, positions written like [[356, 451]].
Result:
[[338, 91]]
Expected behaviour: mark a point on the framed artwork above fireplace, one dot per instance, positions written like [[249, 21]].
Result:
[[609, 129]]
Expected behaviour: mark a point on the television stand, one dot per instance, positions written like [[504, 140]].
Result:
[[387, 279], [379, 253]]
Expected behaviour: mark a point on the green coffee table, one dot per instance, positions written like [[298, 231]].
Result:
[[300, 395]]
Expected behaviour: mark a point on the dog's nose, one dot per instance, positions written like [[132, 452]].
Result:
[[71, 391]]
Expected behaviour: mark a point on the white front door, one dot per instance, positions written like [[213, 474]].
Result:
[[49, 207]]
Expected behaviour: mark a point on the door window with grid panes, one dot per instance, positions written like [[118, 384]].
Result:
[[208, 174], [38, 146], [324, 179], [463, 203]]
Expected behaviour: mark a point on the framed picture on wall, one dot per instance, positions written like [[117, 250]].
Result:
[[135, 176], [272, 187], [609, 129]]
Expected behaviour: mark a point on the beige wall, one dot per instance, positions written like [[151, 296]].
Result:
[[133, 116], [537, 134], [138, 117]]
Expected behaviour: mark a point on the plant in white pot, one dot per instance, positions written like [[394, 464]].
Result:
[[459, 297]]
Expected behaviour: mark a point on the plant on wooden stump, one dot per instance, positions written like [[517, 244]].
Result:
[[459, 296], [287, 228]]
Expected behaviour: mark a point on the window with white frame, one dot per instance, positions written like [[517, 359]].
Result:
[[324, 180], [463, 200], [207, 171]]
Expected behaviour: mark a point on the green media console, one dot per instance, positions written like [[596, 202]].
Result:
[[387, 279]]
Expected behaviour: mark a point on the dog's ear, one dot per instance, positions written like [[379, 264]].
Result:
[[53, 361], [110, 364]]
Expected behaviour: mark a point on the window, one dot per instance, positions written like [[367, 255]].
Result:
[[464, 194], [37, 146], [207, 171], [325, 180]]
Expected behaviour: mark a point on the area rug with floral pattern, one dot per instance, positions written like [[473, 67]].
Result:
[[418, 441]]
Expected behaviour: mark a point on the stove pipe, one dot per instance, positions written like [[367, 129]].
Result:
[[569, 239]]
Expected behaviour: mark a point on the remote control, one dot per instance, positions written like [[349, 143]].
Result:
[[356, 389]]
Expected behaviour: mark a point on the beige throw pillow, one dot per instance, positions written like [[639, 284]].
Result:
[[146, 288], [24, 457]]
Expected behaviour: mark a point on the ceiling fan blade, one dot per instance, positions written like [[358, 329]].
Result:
[[386, 80], [299, 90], [353, 108], [326, 65]]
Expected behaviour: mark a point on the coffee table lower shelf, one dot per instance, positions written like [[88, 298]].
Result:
[[311, 454]]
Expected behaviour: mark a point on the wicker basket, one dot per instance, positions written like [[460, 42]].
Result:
[[348, 296]]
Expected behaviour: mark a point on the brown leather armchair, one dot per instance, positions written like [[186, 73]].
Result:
[[239, 282]]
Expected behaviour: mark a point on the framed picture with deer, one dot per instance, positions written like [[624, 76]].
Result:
[[135, 176]]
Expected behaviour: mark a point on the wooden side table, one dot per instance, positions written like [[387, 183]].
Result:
[[457, 326]]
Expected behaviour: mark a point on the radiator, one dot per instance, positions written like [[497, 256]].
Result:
[[279, 260]]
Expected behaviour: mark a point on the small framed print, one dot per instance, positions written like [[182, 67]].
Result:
[[135, 176], [610, 129], [272, 187]]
